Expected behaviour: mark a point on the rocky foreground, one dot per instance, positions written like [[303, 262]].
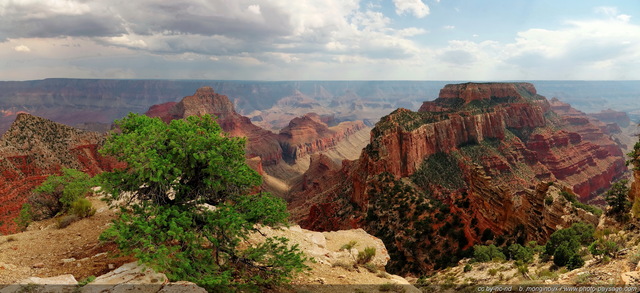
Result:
[[47, 255]]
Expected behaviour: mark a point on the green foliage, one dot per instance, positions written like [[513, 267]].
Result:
[[484, 253], [439, 169], [635, 156], [82, 208], [467, 268], [176, 173], [573, 199], [602, 247], [86, 281], [56, 194], [520, 253], [493, 272], [25, 217], [564, 244], [192, 158], [617, 198], [548, 200], [575, 262], [366, 255], [349, 246]]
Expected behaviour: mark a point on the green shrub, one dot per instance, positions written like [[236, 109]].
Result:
[[548, 200], [349, 246], [82, 208], [483, 253], [467, 268], [493, 272], [25, 217], [520, 253], [366, 255], [575, 262], [56, 194]]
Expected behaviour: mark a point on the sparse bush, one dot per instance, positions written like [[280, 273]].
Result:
[[371, 267], [86, 281], [467, 268], [25, 217], [382, 274], [82, 208], [341, 264], [548, 200], [493, 272], [366, 255], [66, 220], [349, 246], [523, 269]]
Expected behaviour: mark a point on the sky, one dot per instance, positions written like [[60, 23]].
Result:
[[475, 40]]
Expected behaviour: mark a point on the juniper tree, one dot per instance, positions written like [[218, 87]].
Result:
[[191, 204]]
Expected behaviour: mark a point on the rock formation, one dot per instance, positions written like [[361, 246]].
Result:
[[34, 148], [308, 135], [303, 136], [475, 165], [260, 142]]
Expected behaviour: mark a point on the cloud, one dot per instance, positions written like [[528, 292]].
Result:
[[449, 27], [22, 48], [415, 7], [47, 19], [255, 9]]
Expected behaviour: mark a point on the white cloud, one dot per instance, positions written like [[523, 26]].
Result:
[[22, 48], [255, 9], [449, 27], [415, 7]]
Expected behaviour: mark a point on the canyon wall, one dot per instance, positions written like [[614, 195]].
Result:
[[34, 148], [476, 163]]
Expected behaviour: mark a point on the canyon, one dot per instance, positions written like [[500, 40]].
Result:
[[34, 148], [476, 165], [472, 166]]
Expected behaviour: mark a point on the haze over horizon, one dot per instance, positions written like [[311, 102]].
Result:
[[320, 40]]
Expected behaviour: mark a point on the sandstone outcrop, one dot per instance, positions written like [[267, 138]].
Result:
[[34, 148], [475, 165]]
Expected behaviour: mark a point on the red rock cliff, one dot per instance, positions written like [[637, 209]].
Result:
[[476, 158], [308, 134], [34, 148]]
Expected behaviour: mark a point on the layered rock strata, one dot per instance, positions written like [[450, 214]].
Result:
[[474, 166]]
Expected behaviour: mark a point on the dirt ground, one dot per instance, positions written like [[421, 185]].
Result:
[[46, 251]]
